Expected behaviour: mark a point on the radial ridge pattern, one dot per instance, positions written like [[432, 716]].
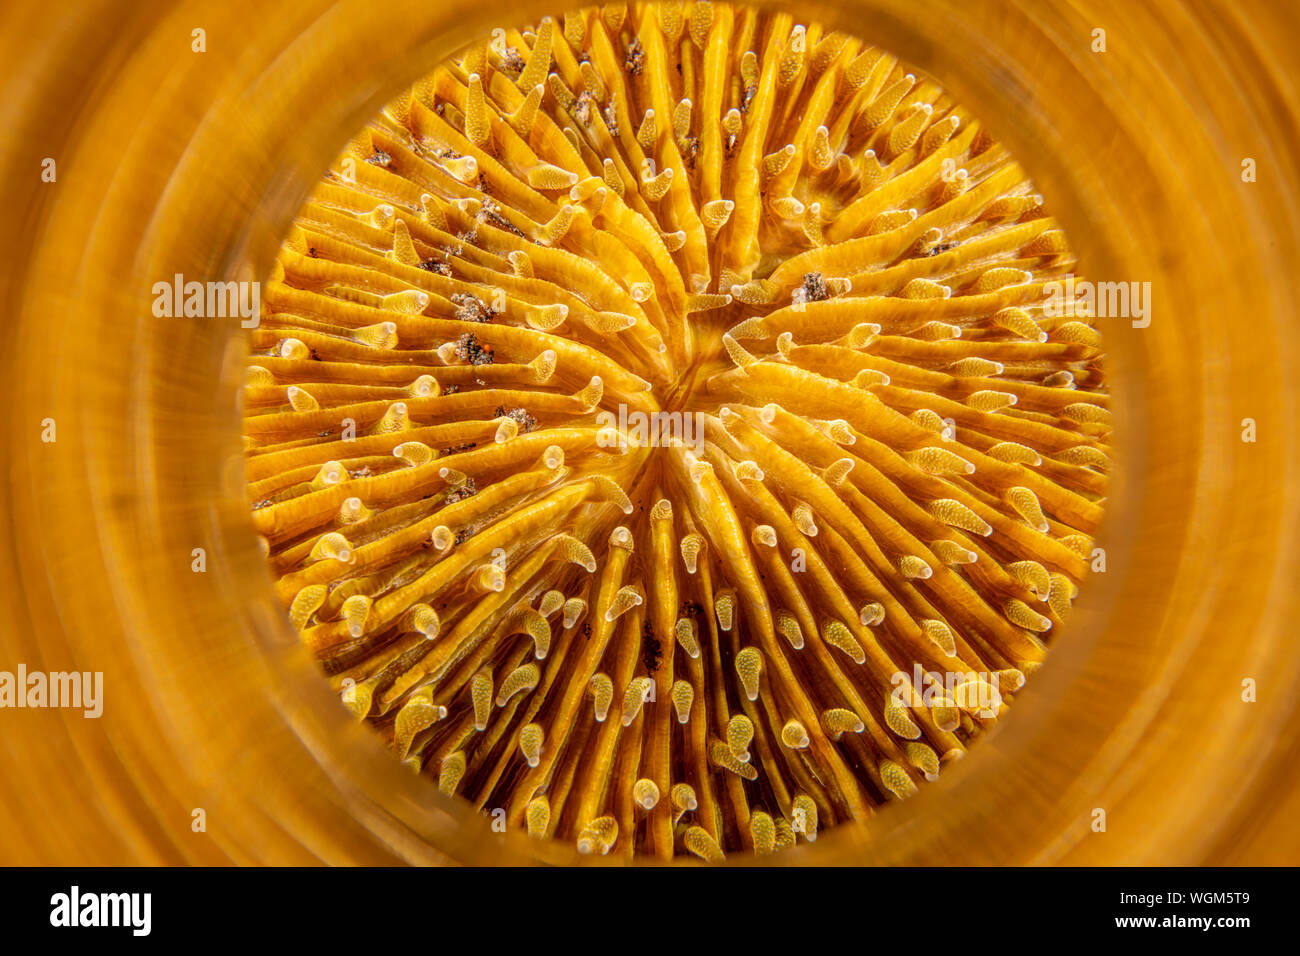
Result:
[[645, 398]]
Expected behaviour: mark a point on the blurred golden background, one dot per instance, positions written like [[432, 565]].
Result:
[[167, 160]]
